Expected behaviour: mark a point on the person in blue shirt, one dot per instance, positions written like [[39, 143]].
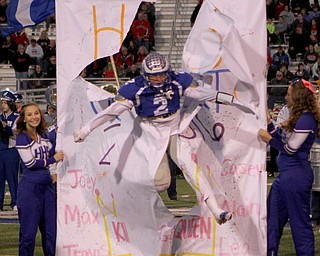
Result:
[[36, 194], [156, 97], [280, 57], [9, 157], [289, 197]]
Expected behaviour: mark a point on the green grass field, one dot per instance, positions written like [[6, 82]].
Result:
[[9, 233]]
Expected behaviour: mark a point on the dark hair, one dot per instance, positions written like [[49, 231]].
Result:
[[21, 124], [12, 105]]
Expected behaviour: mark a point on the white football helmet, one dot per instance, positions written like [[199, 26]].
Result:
[[155, 64]]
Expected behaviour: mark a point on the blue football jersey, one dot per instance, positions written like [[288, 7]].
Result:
[[151, 101]]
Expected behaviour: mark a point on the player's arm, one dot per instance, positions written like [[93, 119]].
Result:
[[115, 109], [203, 93]]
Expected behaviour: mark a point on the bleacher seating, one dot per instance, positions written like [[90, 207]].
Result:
[[173, 28], [7, 78]]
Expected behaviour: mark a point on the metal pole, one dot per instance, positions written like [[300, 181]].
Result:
[[115, 71]]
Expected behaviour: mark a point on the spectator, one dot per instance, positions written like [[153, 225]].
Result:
[[20, 37], [314, 28], [270, 9], [37, 75], [271, 73], [314, 71], [281, 29], [35, 52], [108, 71], [278, 93], [141, 31], [132, 47], [123, 61], [280, 57], [314, 13], [21, 62], [302, 72], [50, 20], [310, 57], [141, 54], [9, 157], [50, 50], [305, 15], [149, 9], [298, 43], [96, 68], [297, 5], [133, 72], [8, 50], [289, 197], [43, 40], [52, 67], [287, 74], [288, 16], [3, 10], [279, 8], [300, 22], [317, 76], [37, 197], [272, 37]]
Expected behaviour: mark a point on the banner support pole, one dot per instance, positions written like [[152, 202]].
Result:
[[115, 71]]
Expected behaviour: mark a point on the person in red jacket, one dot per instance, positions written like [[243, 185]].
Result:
[[141, 31], [123, 61], [20, 37]]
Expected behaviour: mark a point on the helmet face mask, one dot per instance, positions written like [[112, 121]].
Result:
[[157, 80], [155, 68]]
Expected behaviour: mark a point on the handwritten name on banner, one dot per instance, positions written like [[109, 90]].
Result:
[[107, 202]]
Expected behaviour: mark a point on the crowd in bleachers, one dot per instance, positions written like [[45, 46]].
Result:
[[33, 57], [293, 44], [137, 44], [293, 24]]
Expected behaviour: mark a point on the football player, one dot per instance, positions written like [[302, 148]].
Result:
[[156, 97]]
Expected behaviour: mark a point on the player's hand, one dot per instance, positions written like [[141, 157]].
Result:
[[79, 135], [229, 99], [242, 107]]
